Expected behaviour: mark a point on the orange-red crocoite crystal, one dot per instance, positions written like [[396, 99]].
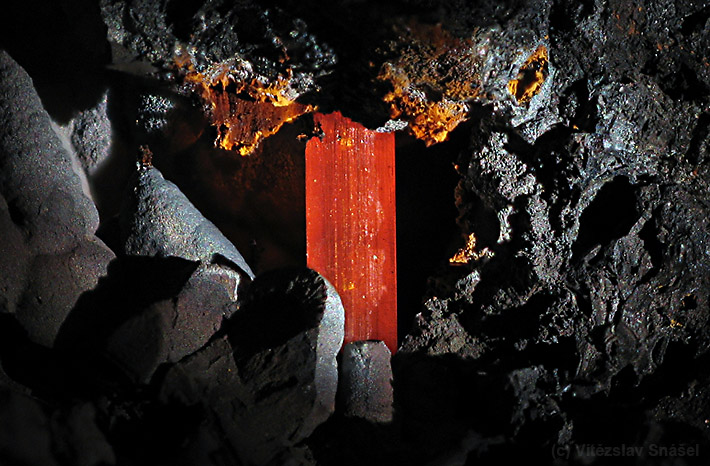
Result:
[[351, 224]]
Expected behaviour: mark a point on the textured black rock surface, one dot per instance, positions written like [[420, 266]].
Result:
[[91, 135], [586, 324], [365, 389]]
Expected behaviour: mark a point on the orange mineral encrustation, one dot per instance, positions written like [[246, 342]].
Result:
[[351, 223]]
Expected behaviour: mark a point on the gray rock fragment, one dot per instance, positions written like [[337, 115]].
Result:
[[36, 177], [366, 381], [50, 255], [199, 309], [91, 135], [7, 383], [290, 329], [438, 331], [277, 380], [228, 278], [159, 220], [171, 329], [56, 282], [634, 118], [294, 456], [29, 435]]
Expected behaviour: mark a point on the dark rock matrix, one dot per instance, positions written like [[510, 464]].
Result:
[[553, 187]]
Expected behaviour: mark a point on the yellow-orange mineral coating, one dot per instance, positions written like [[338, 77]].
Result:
[[243, 110], [350, 223], [433, 79], [531, 76]]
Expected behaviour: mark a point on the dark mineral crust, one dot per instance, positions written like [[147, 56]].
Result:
[[553, 214]]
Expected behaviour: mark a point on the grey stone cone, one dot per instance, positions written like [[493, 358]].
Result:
[[159, 220]]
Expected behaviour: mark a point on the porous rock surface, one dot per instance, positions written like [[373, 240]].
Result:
[[91, 135], [365, 389]]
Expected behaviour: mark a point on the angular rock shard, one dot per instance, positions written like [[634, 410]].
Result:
[[25, 437], [29, 434], [76, 435], [365, 386]]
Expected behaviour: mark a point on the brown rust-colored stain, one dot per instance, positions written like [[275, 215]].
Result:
[[531, 76]]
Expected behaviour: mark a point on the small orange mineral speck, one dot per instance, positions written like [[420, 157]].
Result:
[[469, 253], [146, 157]]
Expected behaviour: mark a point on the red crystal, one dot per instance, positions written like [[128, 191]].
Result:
[[351, 223]]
